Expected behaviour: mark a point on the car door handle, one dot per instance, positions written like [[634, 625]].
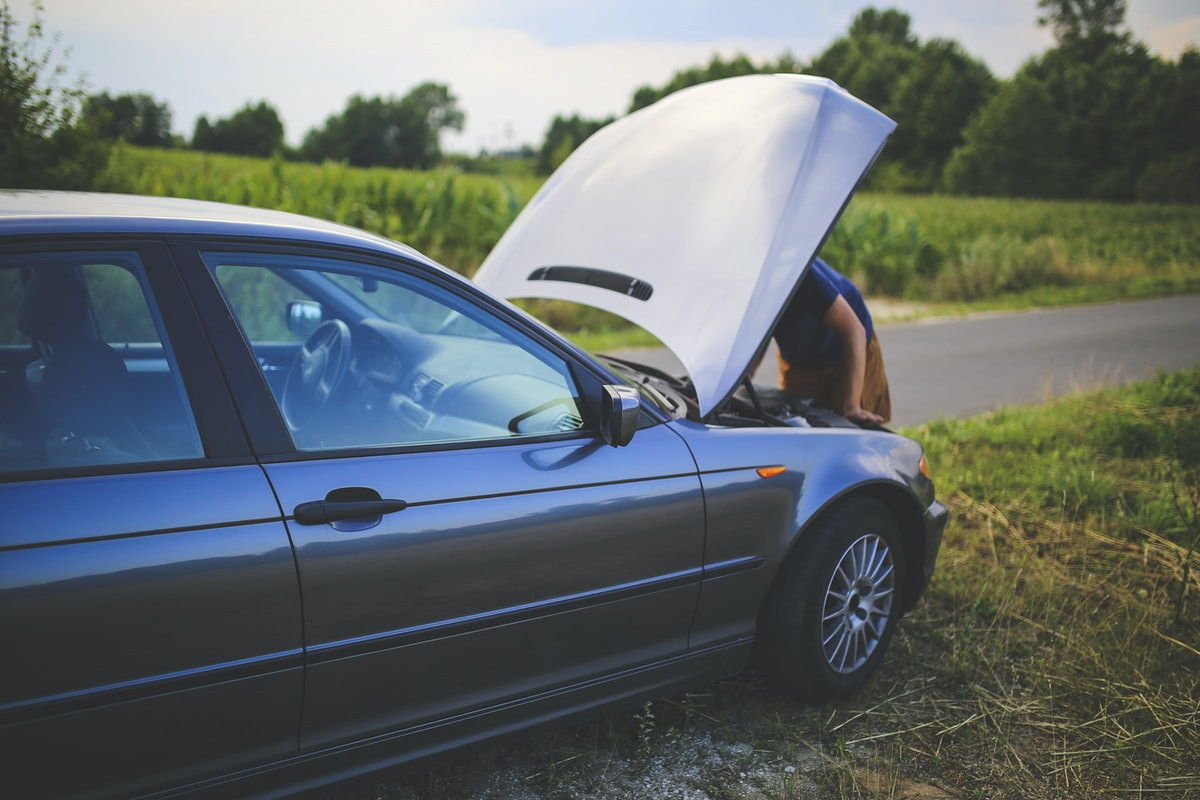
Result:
[[324, 512]]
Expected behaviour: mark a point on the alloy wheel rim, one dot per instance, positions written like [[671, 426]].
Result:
[[858, 604]]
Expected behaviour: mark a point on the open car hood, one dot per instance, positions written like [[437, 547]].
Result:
[[696, 217]]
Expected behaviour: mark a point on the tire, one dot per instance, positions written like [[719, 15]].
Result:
[[827, 621]]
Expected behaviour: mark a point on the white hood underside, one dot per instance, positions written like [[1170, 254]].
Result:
[[715, 199]]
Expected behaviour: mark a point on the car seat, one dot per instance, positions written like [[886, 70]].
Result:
[[80, 385]]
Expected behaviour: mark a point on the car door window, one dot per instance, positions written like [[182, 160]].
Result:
[[87, 376], [357, 355]]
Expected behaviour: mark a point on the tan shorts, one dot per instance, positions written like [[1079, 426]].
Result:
[[827, 386]]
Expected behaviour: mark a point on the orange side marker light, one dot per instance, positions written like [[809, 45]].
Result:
[[771, 472], [924, 466]]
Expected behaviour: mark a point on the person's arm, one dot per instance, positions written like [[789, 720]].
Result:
[[845, 323]]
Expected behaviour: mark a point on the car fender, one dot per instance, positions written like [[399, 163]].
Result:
[[755, 518]]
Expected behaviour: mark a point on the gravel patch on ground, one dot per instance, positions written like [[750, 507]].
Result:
[[736, 740]]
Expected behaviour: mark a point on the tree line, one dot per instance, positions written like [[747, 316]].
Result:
[[1097, 116], [369, 132]]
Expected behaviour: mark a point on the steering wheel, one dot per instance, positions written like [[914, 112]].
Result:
[[317, 373]]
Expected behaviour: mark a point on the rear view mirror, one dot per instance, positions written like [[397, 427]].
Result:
[[620, 410], [303, 317]]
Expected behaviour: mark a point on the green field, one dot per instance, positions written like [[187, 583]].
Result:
[[1035, 252], [948, 253], [451, 216]]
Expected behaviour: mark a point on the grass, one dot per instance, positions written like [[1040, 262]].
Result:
[[1056, 653], [972, 249], [1059, 614]]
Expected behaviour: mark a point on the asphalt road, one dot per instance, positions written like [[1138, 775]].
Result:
[[965, 366]]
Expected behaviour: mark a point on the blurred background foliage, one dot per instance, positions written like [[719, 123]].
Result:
[[1095, 117]]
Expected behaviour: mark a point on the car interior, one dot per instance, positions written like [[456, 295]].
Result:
[[68, 397], [362, 361]]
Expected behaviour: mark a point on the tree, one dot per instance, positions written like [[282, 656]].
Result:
[[1123, 121], [564, 135], [135, 118], [930, 89], [890, 25], [44, 141], [932, 103], [430, 109], [1016, 146], [1082, 19], [391, 132], [1095, 117], [251, 131], [1172, 171], [872, 58], [716, 69]]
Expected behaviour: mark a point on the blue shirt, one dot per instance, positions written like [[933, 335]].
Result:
[[804, 340]]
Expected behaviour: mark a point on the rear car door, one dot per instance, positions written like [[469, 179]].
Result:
[[465, 539], [149, 607]]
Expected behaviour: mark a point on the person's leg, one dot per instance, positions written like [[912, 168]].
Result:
[[827, 386], [875, 396]]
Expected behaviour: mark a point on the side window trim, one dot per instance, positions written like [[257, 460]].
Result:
[[258, 415], [217, 418]]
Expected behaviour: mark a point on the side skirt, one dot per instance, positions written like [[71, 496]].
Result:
[[384, 753]]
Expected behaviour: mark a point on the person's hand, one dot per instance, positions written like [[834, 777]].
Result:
[[860, 416]]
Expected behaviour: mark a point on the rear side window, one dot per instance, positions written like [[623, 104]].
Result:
[[87, 376]]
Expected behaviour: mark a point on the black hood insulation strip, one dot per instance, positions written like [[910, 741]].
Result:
[[600, 278]]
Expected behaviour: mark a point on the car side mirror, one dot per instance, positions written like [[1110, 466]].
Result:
[[620, 410], [303, 317]]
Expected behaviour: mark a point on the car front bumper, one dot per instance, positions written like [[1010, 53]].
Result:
[[935, 519]]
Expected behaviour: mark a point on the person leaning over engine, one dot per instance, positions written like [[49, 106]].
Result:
[[828, 349]]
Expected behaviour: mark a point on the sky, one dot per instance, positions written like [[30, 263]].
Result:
[[512, 64]]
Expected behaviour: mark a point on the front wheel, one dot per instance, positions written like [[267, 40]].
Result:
[[828, 619]]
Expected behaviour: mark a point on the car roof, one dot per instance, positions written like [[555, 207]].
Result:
[[24, 212]]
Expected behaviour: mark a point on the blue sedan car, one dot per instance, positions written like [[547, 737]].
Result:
[[285, 503]]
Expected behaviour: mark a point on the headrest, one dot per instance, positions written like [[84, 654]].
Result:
[[53, 305]]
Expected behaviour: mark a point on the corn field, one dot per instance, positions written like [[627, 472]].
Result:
[[907, 246], [453, 217]]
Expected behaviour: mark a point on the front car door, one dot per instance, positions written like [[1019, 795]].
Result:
[[149, 608], [465, 539]]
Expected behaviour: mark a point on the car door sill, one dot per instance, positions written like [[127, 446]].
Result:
[[383, 751]]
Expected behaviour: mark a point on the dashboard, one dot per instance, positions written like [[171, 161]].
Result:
[[403, 386]]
